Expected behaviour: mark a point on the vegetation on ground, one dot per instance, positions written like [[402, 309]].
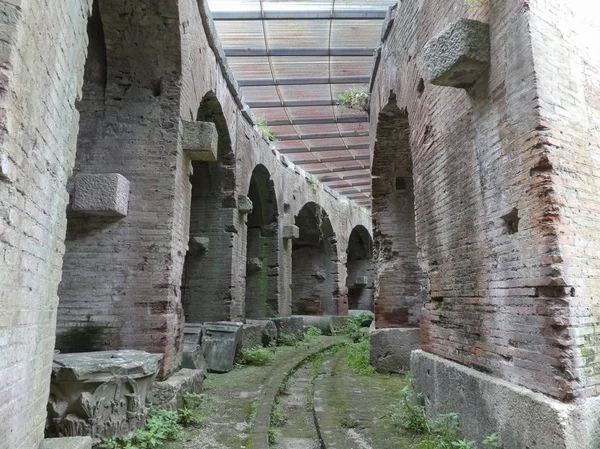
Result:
[[357, 358], [163, 426], [311, 333], [257, 355], [288, 340], [273, 435], [442, 432], [278, 415], [356, 328]]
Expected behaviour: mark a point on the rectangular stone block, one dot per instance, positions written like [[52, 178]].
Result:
[[361, 280], [289, 325], [199, 245], [67, 443], [291, 232], [200, 141], [244, 204], [219, 343], [390, 348], [459, 54], [168, 394], [104, 194]]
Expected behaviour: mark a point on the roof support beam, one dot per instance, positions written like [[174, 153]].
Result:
[[345, 178], [305, 81], [308, 14], [290, 104], [336, 170], [252, 52], [319, 121], [323, 149], [324, 135], [334, 159]]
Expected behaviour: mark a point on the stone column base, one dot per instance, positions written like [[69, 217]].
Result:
[[485, 404], [67, 443]]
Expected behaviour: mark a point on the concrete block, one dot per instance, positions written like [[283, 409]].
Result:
[[200, 141], [100, 394], [269, 331], [168, 394], [244, 204], [290, 325], [67, 443], [390, 348], [219, 343], [291, 232], [459, 54], [522, 417], [320, 322], [104, 194], [199, 245]]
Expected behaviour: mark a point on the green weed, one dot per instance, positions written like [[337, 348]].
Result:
[[257, 355], [357, 358]]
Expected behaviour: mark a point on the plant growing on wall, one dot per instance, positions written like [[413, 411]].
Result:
[[263, 127], [355, 98], [475, 3]]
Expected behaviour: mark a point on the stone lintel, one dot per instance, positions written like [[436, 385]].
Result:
[[459, 54], [105, 194], [291, 232], [200, 141]]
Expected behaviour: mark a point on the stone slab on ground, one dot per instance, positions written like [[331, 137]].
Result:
[[269, 330], [219, 343], [168, 394], [323, 323], [193, 357], [289, 325], [489, 405], [67, 443], [390, 348], [251, 335]]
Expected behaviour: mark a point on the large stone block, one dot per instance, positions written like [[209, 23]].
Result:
[[290, 325], [268, 329], [193, 357], [104, 194], [390, 348], [291, 232], [244, 204], [67, 443], [323, 323], [485, 404], [219, 343], [200, 141], [100, 394], [459, 54], [199, 245], [168, 394], [251, 336]]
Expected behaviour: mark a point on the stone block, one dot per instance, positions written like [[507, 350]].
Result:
[[291, 232], [337, 322], [219, 343], [486, 405], [361, 281], [390, 348], [290, 325], [6, 170], [168, 394], [100, 394], [251, 335], [199, 245], [459, 54], [323, 323], [193, 357], [67, 443], [269, 331], [244, 205], [253, 265], [200, 141], [104, 194]]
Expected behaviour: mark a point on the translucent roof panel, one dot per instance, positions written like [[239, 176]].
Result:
[[292, 60]]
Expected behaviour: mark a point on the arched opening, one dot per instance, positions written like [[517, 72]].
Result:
[[118, 290], [262, 260], [314, 264], [206, 279], [359, 268], [399, 279]]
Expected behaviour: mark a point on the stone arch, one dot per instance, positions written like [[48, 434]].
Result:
[[359, 280], [262, 243], [120, 261], [399, 278], [207, 275], [315, 272]]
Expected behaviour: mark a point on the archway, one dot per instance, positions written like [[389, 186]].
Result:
[[314, 264], [359, 281], [262, 286], [399, 279], [206, 279]]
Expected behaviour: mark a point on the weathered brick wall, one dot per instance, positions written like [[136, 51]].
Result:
[[120, 286], [487, 215], [565, 39], [399, 278], [41, 67]]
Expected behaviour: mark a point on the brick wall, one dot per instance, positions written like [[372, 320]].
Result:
[[399, 278], [489, 220], [120, 286], [42, 55]]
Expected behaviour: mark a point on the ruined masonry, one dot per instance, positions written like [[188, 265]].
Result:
[[148, 230]]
